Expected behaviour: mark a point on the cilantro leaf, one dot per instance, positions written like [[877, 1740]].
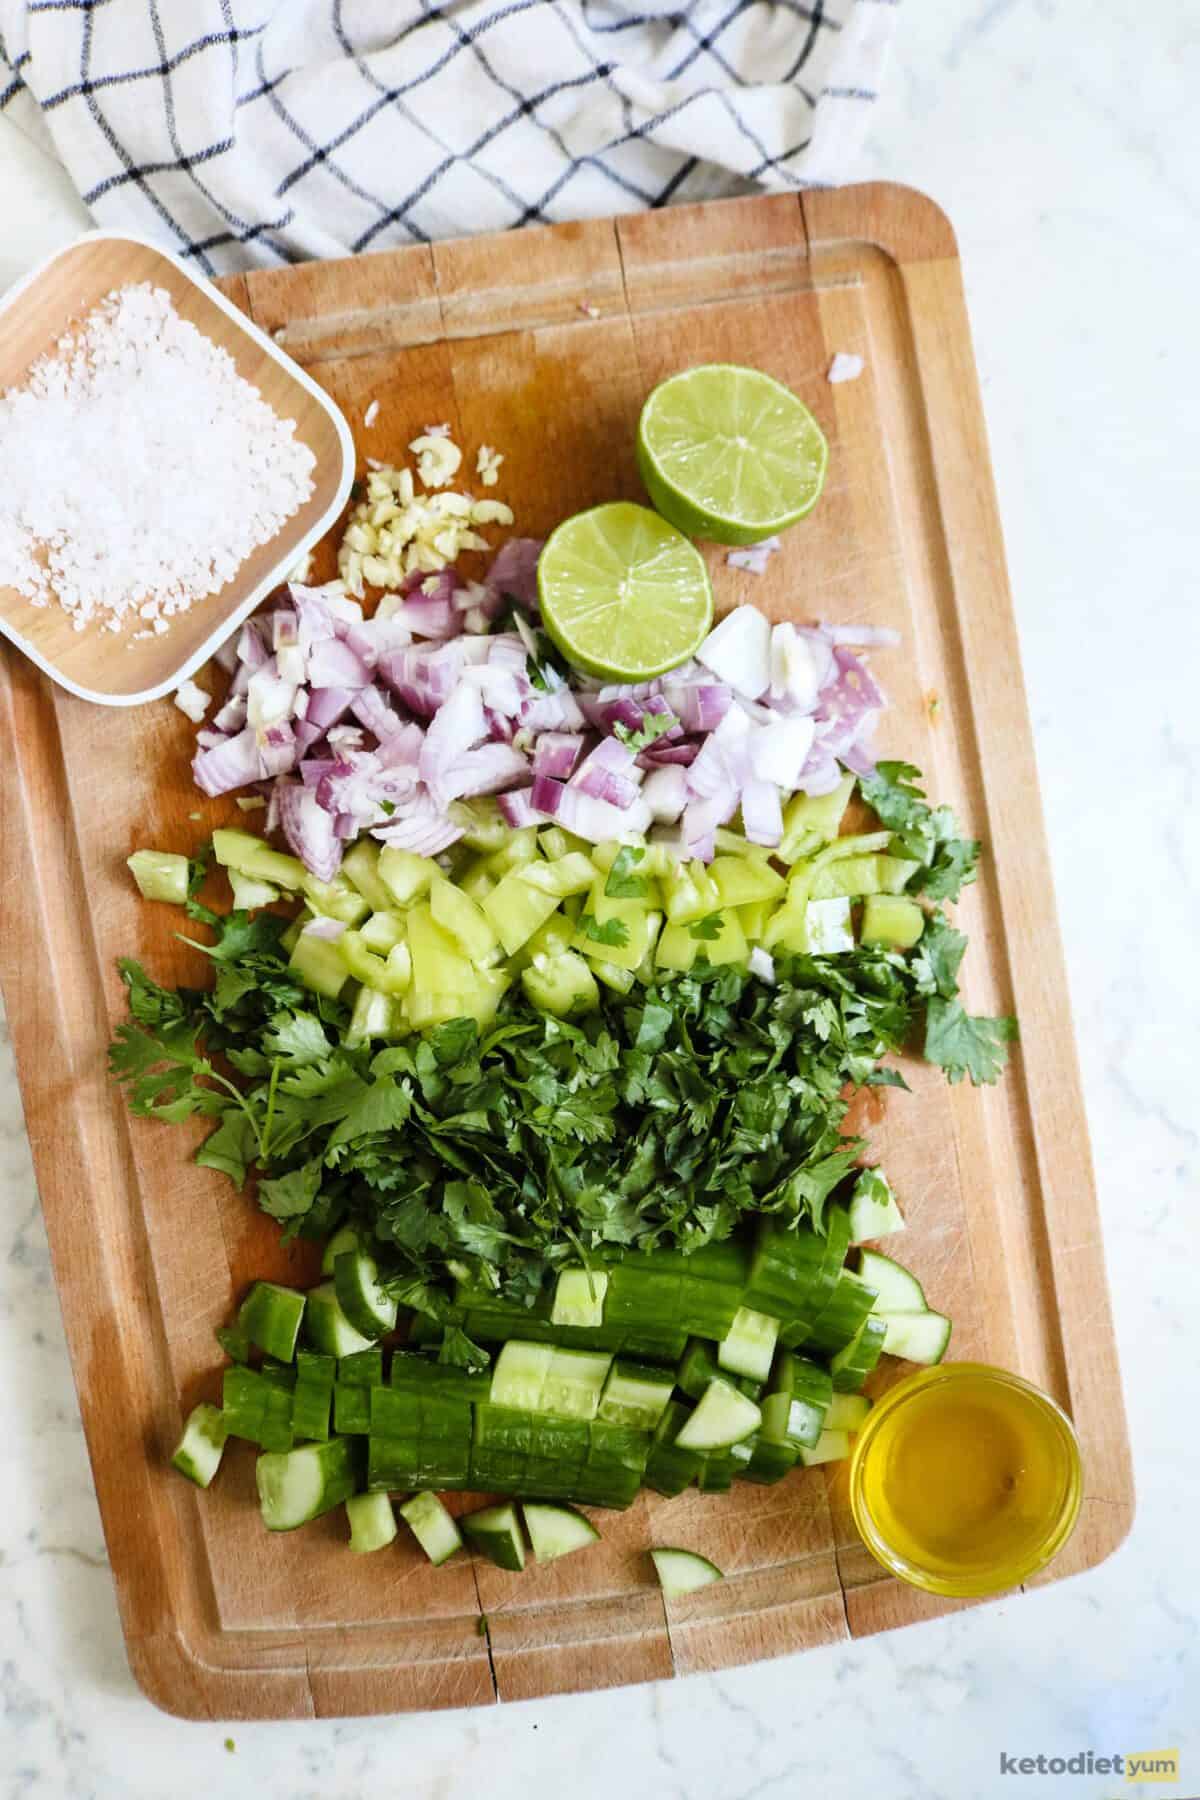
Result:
[[286, 1196], [653, 726], [962, 1045], [297, 1038], [232, 1147], [460, 1352], [936, 959], [927, 835], [614, 932], [622, 883], [708, 929]]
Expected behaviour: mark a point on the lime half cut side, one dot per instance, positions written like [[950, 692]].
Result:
[[730, 454], [623, 594]]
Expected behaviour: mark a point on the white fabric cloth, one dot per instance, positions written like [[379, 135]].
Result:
[[252, 132]]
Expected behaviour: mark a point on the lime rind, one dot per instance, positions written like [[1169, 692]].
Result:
[[730, 454], [623, 594]]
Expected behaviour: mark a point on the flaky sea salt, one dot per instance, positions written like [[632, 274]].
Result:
[[844, 367], [138, 470]]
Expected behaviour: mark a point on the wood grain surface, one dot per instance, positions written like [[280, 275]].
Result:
[[543, 344]]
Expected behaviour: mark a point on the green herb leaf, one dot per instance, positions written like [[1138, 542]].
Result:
[[962, 1045], [708, 929], [622, 883], [458, 1350], [929, 835], [653, 726], [614, 932]]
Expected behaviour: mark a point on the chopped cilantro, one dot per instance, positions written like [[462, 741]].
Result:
[[622, 883], [614, 932], [654, 725], [707, 929]]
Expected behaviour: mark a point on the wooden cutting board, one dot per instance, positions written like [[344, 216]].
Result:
[[543, 344]]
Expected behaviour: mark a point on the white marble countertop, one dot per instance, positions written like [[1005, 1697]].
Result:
[[1067, 159]]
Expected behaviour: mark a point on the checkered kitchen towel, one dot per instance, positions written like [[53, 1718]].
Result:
[[258, 131]]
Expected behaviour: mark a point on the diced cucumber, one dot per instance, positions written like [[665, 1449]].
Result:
[[465, 921], [749, 1345], [772, 1459], [316, 960], [575, 1383], [242, 851], [797, 1330], [517, 849], [573, 873], [668, 1468], [372, 1522], [383, 931], [515, 910], [248, 894], [848, 1305], [847, 1412], [160, 875], [831, 1446], [920, 1337], [368, 1306], [298, 1485], [270, 1316], [790, 1421], [495, 1533], [234, 1342], [563, 985], [891, 920], [519, 1375], [360, 866], [636, 1394], [809, 822], [898, 1290], [723, 1416], [313, 1395], [344, 1238], [326, 1325], [438, 965], [621, 981], [579, 1297], [872, 1209], [404, 874], [484, 826], [198, 1452], [827, 926], [432, 1526], [851, 1365], [785, 1268], [745, 880], [683, 1572], [555, 1531], [375, 1015], [337, 899]]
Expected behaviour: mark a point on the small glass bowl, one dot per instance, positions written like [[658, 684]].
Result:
[[1035, 1538]]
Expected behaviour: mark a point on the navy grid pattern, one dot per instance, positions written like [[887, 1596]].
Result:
[[245, 132]]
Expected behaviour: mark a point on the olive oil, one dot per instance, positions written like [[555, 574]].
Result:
[[965, 1479]]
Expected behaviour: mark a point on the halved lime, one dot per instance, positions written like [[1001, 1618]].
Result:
[[730, 454], [623, 594]]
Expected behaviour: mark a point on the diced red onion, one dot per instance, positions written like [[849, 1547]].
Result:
[[546, 795], [762, 964], [314, 771], [456, 727], [665, 793], [762, 813], [313, 615], [558, 711], [208, 738], [309, 830], [596, 819], [518, 809], [332, 663], [778, 750], [251, 649], [428, 618], [609, 773], [226, 656], [483, 771], [661, 755], [372, 708], [556, 753], [513, 572], [232, 764], [232, 715], [326, 705]]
